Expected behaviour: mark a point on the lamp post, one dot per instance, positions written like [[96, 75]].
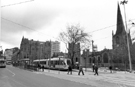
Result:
[[59, 65], [129, 55], [40, 54]]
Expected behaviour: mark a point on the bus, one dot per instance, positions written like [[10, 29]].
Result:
[[2, 63], [54, 63]]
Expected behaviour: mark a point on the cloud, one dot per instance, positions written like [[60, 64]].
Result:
[[30, 20], [34, 19], [39, 18], [11, 38]]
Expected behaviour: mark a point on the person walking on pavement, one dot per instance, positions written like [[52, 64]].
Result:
[[70, 69], [43, 68], [110, 68], [80, 70], [96, 70], [93, 67], [39, 67]]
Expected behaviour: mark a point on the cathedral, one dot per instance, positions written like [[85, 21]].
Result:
[[118, 55], [119, 44]]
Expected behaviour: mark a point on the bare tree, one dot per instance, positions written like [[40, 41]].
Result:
[[74, 35]]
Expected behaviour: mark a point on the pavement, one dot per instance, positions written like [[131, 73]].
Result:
[[116, 79]]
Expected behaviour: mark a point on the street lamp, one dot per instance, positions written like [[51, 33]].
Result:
[[40, 52]]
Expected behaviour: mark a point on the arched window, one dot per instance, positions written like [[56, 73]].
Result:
[[105, 58], [76, 59]]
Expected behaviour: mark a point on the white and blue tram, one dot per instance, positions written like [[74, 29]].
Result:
[[54, 63]]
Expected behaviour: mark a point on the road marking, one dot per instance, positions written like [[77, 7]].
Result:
[[11, 72]]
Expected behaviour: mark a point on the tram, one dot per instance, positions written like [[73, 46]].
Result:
[[2, 63], [54, 63]]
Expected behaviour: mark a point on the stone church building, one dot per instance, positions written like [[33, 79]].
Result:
[[118, 55], [119, 44]]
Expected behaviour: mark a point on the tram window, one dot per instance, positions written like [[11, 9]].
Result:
[[60, 62], [1, 61], [51, 62], [44, 62], [56, 63], [68, 62]]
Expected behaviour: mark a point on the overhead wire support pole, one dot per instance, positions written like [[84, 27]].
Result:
[[129, 55]]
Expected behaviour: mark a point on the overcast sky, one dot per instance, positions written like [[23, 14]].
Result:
[[44, 19]]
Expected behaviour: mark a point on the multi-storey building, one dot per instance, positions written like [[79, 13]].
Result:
[[30, 49], [55, 47], [8, 54]]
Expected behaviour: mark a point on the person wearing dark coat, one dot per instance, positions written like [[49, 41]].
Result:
[[93, 67], [43, 68], [96, 70], [39, 67], [80, 70], [110, 68], [70, 69]]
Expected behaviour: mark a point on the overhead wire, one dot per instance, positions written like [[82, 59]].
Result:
[[103, 38], [30, 28], [17, 3], [107, 27], [102, 28], [57, 38], [42, 33]]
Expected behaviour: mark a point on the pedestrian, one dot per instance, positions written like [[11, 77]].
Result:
[[110, 68], [39, 67], [80, 70], [96, 70], [70, 69], [43, 68], [93, 67]]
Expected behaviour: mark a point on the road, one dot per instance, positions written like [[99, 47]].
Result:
[[16, 77]]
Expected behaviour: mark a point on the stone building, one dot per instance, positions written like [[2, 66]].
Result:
[[118, 55], [32, 50], [15, 56], [85, 58], [102, 58], [119, 43], [55, 47], [8, 55]]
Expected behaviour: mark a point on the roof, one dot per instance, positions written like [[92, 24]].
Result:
[[56, 58], [120, 25]]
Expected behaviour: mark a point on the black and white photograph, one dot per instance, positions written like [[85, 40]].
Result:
[[67, 43]]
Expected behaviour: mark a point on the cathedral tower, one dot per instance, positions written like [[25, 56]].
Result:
[[119, 41]]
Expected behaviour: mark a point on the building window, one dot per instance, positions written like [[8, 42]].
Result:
[[76, 59]]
